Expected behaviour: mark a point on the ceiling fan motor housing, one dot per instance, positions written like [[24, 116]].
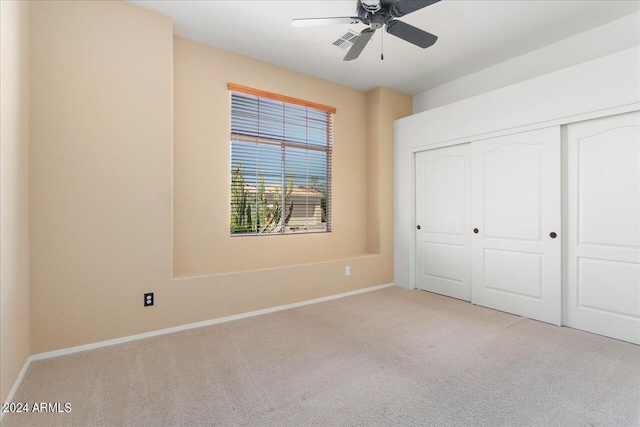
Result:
[[371, 6], [376, 14], [376, 22]]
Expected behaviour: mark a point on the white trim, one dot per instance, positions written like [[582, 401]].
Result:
[[533, 126], [129, 338], [16, 384]]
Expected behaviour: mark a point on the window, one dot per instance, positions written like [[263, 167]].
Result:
[[280, 164]]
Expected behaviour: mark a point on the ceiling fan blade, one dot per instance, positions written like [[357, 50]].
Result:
[[405, 7], [359, 44], [313, 22], [411, 34]]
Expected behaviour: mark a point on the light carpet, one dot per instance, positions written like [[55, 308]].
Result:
[[389, 357]]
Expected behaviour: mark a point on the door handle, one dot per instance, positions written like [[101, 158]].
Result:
[[553, 235], [418, 227], [475, 230]]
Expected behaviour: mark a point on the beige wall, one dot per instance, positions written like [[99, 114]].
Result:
[[385, 106], [122, 189], [201, 175], [101, 103], [14, 192]]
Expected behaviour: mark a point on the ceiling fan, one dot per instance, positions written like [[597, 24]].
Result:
[[376, 14]]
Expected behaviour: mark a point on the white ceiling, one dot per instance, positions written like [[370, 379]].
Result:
[[473, 35]]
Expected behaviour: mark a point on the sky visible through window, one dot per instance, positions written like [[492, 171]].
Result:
[[279, 121], [274, 143], [301, 165]]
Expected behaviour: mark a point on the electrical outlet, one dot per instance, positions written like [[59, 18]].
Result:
[[347, 270], [148, 299]]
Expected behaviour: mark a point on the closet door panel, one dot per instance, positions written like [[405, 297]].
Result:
[[603, 249], [511, 175], [442, 213], [516, 264]]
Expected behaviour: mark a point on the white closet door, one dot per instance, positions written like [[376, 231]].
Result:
[[442, 213], [603, 262], [515, 202]]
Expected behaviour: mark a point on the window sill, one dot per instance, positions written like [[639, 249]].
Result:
[[360, 256], [301, 233]]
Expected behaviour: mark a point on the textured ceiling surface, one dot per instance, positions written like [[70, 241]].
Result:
[[473, 35]]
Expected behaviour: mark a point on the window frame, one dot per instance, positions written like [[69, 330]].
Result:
[[284, 144]]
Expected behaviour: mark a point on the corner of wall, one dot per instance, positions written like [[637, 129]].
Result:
[[14, 194], [384, 107], [374, 118], [589, 45]]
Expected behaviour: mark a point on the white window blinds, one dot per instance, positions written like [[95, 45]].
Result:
[[280, 166]]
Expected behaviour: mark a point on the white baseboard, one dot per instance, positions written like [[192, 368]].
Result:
[[129, 338], [16, 384], [122, 340]]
